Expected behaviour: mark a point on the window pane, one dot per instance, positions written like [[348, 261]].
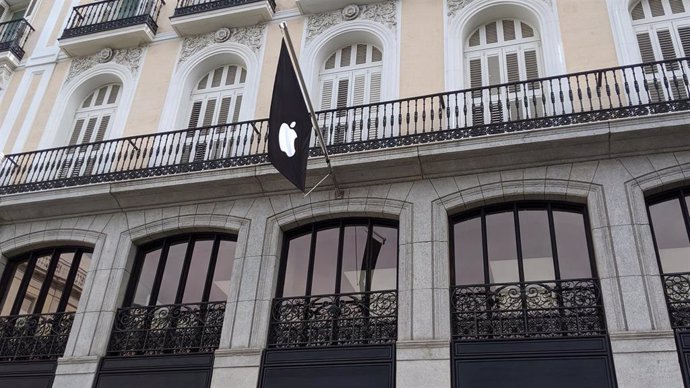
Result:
[[325, 261], [37, 278], [223, 271], [57, 285], [353, 276], [79, 280], [198, 270], [571, 244], [171, 274], [671, 236], [384, 258], [502, 249], [11, 293], [146, 278], [535, 240], [297, 266], [469, 255]]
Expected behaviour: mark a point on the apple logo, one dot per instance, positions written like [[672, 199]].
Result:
[[286, 139]]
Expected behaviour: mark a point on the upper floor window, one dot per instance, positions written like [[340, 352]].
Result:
[[217, 97], [670, 220], [44, 281], [351, 76], [662, 28], [23, 10], [193, 268], [94, 115]]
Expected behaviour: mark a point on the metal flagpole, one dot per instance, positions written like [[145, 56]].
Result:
[[314, 122]]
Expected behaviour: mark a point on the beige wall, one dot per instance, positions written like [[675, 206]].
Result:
[[23, 109], [586, 32], [47, 102]]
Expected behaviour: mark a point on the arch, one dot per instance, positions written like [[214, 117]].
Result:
[[189, 72], [537, 13], [58, 128], [315, 52], [44, 238]]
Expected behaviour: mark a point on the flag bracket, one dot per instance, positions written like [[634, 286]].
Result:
[[339, 193]]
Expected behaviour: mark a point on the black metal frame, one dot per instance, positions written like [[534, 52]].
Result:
[[548, 308], [190, 7], [585, 97], [164, 244], [94, 17], [13, 36]]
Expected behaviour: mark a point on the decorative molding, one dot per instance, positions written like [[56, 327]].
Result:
[[454, 6], [130, 58], [251, 37], [385, 13]]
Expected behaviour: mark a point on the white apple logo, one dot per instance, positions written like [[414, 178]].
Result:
[[286, 138]]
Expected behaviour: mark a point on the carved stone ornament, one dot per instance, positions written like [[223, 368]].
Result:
[[456, 5], [222, 35], [130, 58], [251, 37], [385, 12], [351, 12], [105, 55]]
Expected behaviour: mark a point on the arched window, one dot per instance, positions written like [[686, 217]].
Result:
[[93, 116], [502, 51], [45, 281], [662, 29]]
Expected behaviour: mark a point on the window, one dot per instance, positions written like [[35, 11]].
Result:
[[348, 256], [351, 76], [662, 29], [503, 51], [524, 270], [215, 101], [44, 281], [193, 268]]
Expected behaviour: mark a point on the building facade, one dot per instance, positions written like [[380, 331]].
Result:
[[512, 206]]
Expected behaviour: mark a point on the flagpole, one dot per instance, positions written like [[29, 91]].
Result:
[[307, 99]]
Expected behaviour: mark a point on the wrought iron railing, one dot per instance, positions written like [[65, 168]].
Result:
[[628, 91], [167, 329], [13, 36], [677, 290], [34, 337], [334, 320], [566, 308], [189, 7], [112, 14]]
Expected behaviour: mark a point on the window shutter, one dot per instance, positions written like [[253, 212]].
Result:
[[88, 132], [375, 91], [646, 51], [475, 39], [100, 97], [513, 70], [238, 106], [232, 76], [532, 68], [638, 12], [345, 56], [326, 94], [330, 63], [491, 33], [527, 31], [217, 77], [376, 55], [209, 113], [476, 76], [677, 6], [194, 116], [657, 8], [343, 89], [112, 98], [684, 34], [224, 110], [508, 30], [666, 44], [494, 69], [102, 128], [76, 132], [358, 90], [361, 54]]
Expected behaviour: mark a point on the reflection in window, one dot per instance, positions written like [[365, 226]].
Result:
[[340, 257], [183, 269], [44, 281], [522, 242], [671, 226]]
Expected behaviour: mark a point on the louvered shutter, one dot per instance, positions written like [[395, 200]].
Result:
[[684, 35], [341, 103], [326, 94], [677, 6], [657, 8], [76, 132], [644, 42], [532, 68], [476, 82], [375, 90], [513, 71], [359, 90], [224, 112]]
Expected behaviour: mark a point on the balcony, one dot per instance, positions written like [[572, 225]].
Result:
[[110, 23], [34, 337], [193, 17], [13, 36], [574, 103]]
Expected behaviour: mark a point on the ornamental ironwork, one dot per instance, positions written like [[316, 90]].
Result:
[[630, 91], [35, 336], [13, 36], [566, 308], [110, 15], [677, 288], [334, 320], [167, 329], [190, 7]]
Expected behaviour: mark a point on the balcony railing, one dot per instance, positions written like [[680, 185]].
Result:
[[13, 36], [677, 290], [167, 329], [34, 337], [566, 308], [334, 320], [110, 15], [586, 97], [189, 7]]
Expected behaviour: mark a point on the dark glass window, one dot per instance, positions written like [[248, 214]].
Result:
[[671, 228], [191, 268], [338, 257], [44, 281], [521, 242]]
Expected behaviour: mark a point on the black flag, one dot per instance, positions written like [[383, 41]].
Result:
[[289, 125]]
